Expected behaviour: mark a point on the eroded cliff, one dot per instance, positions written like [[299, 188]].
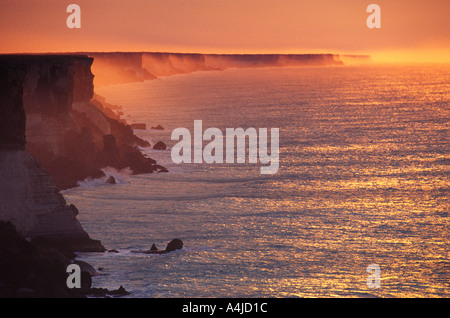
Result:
[[29, 197], [121, 67], [69, 130]]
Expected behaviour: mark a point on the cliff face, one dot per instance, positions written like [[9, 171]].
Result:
[[66, 125], [160, 64], [31, 200], [114, 68], [48, 92], [12, 121], [36, 86]]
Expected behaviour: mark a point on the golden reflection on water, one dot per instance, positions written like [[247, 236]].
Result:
[[363, 180], [384, 199]]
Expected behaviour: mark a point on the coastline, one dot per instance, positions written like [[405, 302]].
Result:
[[57, 132]]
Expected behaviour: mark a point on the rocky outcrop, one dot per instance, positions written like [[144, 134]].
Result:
[[159, 127], [175, 244], [160, 146]]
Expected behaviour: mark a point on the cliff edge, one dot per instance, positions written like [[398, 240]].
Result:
[[123, 67], [29, 197]]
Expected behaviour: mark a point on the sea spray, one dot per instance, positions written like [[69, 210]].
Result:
[[120, 176]]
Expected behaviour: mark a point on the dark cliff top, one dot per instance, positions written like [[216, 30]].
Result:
[[32, 58]]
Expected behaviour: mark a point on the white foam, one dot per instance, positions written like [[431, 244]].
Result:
[[121, 176]]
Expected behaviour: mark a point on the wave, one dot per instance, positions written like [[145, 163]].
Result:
[[120, 176]]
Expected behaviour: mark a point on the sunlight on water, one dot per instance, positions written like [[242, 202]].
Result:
[[363, 180]]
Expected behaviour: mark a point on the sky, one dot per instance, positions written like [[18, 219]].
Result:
[[411, 30]]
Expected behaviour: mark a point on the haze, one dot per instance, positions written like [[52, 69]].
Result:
[[411, 30]]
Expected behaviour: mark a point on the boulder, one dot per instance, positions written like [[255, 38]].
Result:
[[175, 244], [160, 146], [111, 180], [104, 292]]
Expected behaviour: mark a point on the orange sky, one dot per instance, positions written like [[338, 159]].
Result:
[[411, 30]]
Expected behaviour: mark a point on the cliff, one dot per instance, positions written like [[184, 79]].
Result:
[[71, 132], [160, 64], [34, 87], [119, 67]]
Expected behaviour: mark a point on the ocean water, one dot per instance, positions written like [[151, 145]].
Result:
[[363, 179]]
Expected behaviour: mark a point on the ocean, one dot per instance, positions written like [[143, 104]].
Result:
[[363, 179]]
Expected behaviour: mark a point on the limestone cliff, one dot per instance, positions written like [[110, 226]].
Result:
[[118, 67], [67, 124], [115, 68], [37, 88], [160, 64]]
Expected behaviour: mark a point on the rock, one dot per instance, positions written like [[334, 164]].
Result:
[[74, 209], [161, 169], [175, 244], [86, 282], [159, 127], [27, 270], [111, 180], [85, 267], [119, 292], [138, 126], [104, 292], [99, 292], [69, 244], [160, 146], [110, 144]]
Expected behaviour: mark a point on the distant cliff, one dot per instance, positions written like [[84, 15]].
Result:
[[118, 67], [29, 197]]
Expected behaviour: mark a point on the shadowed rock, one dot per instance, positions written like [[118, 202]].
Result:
[[28, 270], [160, 146], [175, 244], [159, 127], [111, 180], [140, 126]]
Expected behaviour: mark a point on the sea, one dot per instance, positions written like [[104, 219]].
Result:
[[359, 206]]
